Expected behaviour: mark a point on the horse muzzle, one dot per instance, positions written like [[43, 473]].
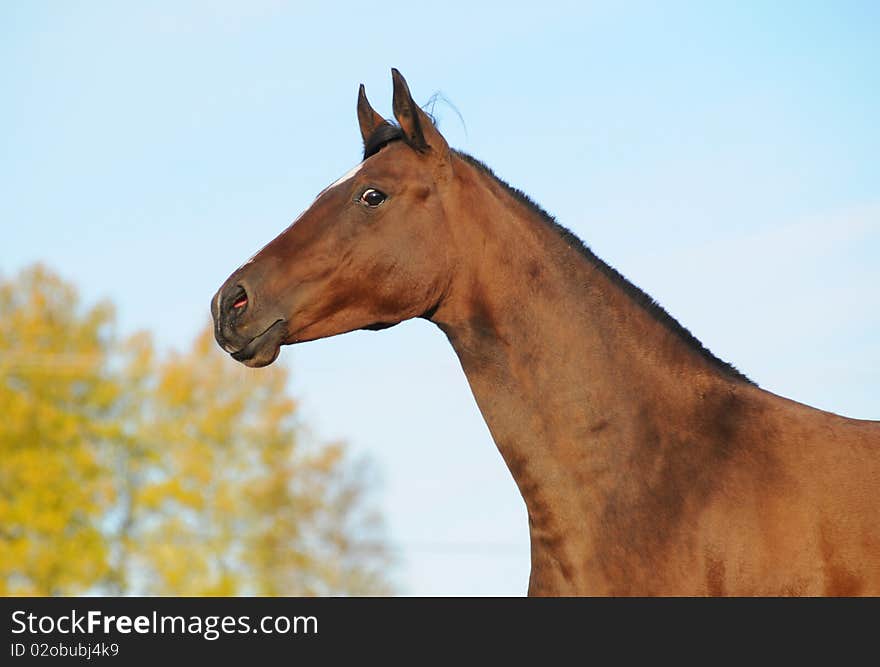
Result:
[[247, 338]]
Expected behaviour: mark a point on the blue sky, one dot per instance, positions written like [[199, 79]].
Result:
[[723, 156]]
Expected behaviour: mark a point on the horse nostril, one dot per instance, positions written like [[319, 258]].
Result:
[[237, 299]]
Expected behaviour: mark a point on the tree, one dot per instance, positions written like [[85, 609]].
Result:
[[125, 471]]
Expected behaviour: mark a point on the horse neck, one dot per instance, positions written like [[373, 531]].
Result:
[[572, 375]]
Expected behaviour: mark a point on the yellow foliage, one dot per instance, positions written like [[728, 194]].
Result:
[[122, 471]]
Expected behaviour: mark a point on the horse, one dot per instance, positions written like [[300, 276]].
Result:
[[648, 466]]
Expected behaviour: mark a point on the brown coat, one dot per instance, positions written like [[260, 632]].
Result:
[[647, 465]]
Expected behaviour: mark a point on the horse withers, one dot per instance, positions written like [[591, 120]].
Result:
[[648, 466]]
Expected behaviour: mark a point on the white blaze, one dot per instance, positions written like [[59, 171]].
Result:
[[342, 179]]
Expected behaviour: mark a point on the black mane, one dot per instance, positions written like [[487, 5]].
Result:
[[388, 133], [382, 135]]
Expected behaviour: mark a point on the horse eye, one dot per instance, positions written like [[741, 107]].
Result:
[[372, 197]]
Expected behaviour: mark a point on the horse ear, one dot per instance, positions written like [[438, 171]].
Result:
[[368, 119], [415, 123]]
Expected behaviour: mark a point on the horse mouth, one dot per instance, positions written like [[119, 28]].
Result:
[[263, 349]]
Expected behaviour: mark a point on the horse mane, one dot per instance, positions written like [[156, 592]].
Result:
[[387, 133]]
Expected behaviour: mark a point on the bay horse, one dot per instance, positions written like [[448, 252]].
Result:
[[648, 466]]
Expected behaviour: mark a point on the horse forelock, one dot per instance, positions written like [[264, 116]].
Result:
[[381, 137]]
